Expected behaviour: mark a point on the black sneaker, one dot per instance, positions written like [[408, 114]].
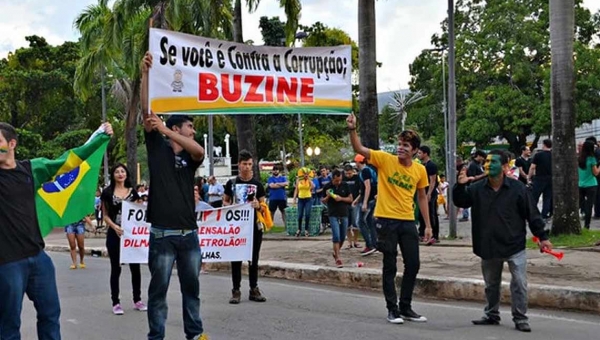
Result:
[[410, 315], [394, 317]]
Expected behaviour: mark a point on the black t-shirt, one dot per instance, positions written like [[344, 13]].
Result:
[[525, 164], [171, 198], [20, 235], [354, 185], [543, 163], [474, 169], [239, 195], [432, 169], [366, 175], [114, 205], [334, 208]]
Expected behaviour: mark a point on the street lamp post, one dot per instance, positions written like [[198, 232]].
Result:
[[300, 137]]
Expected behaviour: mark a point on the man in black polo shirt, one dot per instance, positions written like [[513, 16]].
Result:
[[501, 209], [246, 189], [172, 161]]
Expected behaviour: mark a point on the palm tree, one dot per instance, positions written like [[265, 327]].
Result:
[[565, 196], [401, 101], [245, 123], [118, 38], [367, 75]]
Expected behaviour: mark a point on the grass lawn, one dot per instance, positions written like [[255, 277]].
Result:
[[587, 238], [277, 229]]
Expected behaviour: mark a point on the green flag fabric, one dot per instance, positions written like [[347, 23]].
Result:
[[66, 187]]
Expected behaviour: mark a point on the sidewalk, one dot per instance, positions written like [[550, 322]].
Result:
[[448, 270]]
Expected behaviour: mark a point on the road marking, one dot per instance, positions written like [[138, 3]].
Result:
[[430, 304], [73, 321]]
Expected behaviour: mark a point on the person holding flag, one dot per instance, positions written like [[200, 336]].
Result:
[[36, 195]]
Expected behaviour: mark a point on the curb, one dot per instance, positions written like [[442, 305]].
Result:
[[544, 296], [450, 288]]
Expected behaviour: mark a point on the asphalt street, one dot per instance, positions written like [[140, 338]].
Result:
[[294, 311]]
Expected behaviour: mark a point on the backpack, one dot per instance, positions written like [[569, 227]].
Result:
[[373, 176]]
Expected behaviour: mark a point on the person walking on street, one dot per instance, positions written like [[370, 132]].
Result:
[[501, 209], [400, 178], [432, 195], [25, 268], [524, 163], [215, 192], [540, 178], [76, 238], [277, 196], [353, 180], [587, 170], [246, 189], [365, 203], [173, 157], [338, 199], [113, 196]]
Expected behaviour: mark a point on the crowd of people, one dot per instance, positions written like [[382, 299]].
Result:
[[383, 195]]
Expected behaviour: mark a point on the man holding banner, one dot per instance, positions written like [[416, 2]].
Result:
[[171, 211], [35, 193]]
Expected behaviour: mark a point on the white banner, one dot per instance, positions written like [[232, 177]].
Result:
[[224, 234], [197, 75]]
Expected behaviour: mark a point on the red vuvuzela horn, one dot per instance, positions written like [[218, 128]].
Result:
[[558, 254]]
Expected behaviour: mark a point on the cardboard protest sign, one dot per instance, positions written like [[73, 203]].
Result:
[[197, 75], [224, 234]]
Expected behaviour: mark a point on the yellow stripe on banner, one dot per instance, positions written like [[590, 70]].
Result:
[[163, 105]]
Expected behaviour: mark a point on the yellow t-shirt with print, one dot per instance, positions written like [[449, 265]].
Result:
[[396, 186]]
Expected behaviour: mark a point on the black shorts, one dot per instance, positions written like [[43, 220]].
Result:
[[277, 204]]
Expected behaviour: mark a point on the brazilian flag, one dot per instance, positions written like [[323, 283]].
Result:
[[69, 195]]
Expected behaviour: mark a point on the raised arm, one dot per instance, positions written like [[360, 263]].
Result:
[[354, 140], [146, 64]]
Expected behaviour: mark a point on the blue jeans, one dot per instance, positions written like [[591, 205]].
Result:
[[35, 277], [339, 225], [164, 252], [492, 275], [304, 207], [366, 223]]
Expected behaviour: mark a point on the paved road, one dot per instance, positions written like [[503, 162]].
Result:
[[294, 311]]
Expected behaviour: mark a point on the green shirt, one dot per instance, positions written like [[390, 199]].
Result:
[[586, 176]]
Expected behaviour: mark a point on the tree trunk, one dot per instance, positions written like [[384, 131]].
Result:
[[367, 76], [244, 123], [564, 164], [131, 131]]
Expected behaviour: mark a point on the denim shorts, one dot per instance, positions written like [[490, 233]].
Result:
[[75, 228]]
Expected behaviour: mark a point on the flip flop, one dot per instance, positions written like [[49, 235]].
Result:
[[72, 266]]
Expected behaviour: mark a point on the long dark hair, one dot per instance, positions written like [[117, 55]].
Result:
[[587, 150], [113, 182]]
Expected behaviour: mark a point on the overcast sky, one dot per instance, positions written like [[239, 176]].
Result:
[[404, 27]]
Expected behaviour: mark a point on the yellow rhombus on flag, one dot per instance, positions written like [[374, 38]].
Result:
[[69, 195]]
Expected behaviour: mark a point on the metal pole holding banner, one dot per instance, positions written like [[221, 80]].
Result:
[[211, 164], [451, 117], [106, 176]]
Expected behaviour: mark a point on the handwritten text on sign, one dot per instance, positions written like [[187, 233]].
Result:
[[198, 75], [224, 234]]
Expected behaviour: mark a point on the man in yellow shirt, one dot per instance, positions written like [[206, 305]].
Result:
[[398, 180]]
